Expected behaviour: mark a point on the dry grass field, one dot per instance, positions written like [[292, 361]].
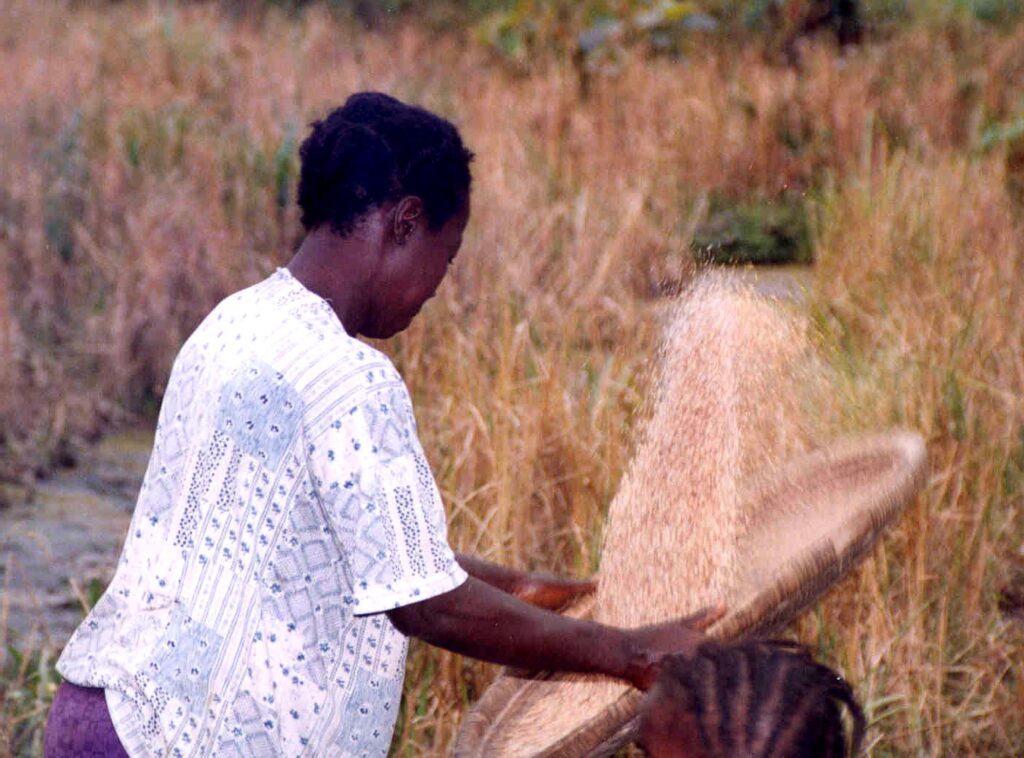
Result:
[[148, 169]]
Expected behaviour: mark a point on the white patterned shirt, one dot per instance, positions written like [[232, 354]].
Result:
[[286, 506]]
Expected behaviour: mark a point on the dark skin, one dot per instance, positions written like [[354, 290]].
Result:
[[376, 278]]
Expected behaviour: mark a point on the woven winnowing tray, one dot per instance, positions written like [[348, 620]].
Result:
[[808, 523]]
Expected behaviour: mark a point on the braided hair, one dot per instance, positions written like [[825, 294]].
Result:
[[758, 698], [375, 148]]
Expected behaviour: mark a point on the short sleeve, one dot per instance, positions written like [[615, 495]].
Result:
[[382, 502]]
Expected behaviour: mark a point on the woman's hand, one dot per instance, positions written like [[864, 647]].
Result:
[[680, 637], [553, 593]]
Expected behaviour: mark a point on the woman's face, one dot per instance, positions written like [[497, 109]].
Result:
[[411, 270]]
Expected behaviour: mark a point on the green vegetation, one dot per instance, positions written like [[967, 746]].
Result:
[[770, 231], [30, 681]]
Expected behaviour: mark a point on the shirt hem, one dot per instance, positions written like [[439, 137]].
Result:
[[124, 718], [407, 593]]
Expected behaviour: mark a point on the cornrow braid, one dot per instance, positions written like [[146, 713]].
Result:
[[756, 698]]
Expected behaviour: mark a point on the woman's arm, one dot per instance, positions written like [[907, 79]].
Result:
[[543, 590], [480, 621]]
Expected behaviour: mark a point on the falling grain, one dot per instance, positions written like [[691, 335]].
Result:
[[723, 410]]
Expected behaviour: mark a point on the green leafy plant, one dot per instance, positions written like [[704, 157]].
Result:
[[30, 679], [754, 231]]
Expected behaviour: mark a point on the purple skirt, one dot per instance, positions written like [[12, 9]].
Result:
[[79, 725]]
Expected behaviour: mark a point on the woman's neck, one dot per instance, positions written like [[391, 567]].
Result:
[[338, 269]]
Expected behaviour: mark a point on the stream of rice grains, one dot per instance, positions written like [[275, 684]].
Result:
[[734, 375]]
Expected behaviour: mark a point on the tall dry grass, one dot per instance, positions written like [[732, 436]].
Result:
[[148, 168], [929, 317]]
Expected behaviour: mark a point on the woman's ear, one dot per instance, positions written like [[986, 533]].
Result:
[[408, 213]]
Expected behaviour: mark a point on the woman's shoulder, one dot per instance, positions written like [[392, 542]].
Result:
[[355, 369]]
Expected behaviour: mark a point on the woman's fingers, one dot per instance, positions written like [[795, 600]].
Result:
[[554, 593]]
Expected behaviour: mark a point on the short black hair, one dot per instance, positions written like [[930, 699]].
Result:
[[375, 148], [755, 698]]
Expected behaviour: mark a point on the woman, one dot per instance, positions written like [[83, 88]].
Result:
[[288, 535]]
